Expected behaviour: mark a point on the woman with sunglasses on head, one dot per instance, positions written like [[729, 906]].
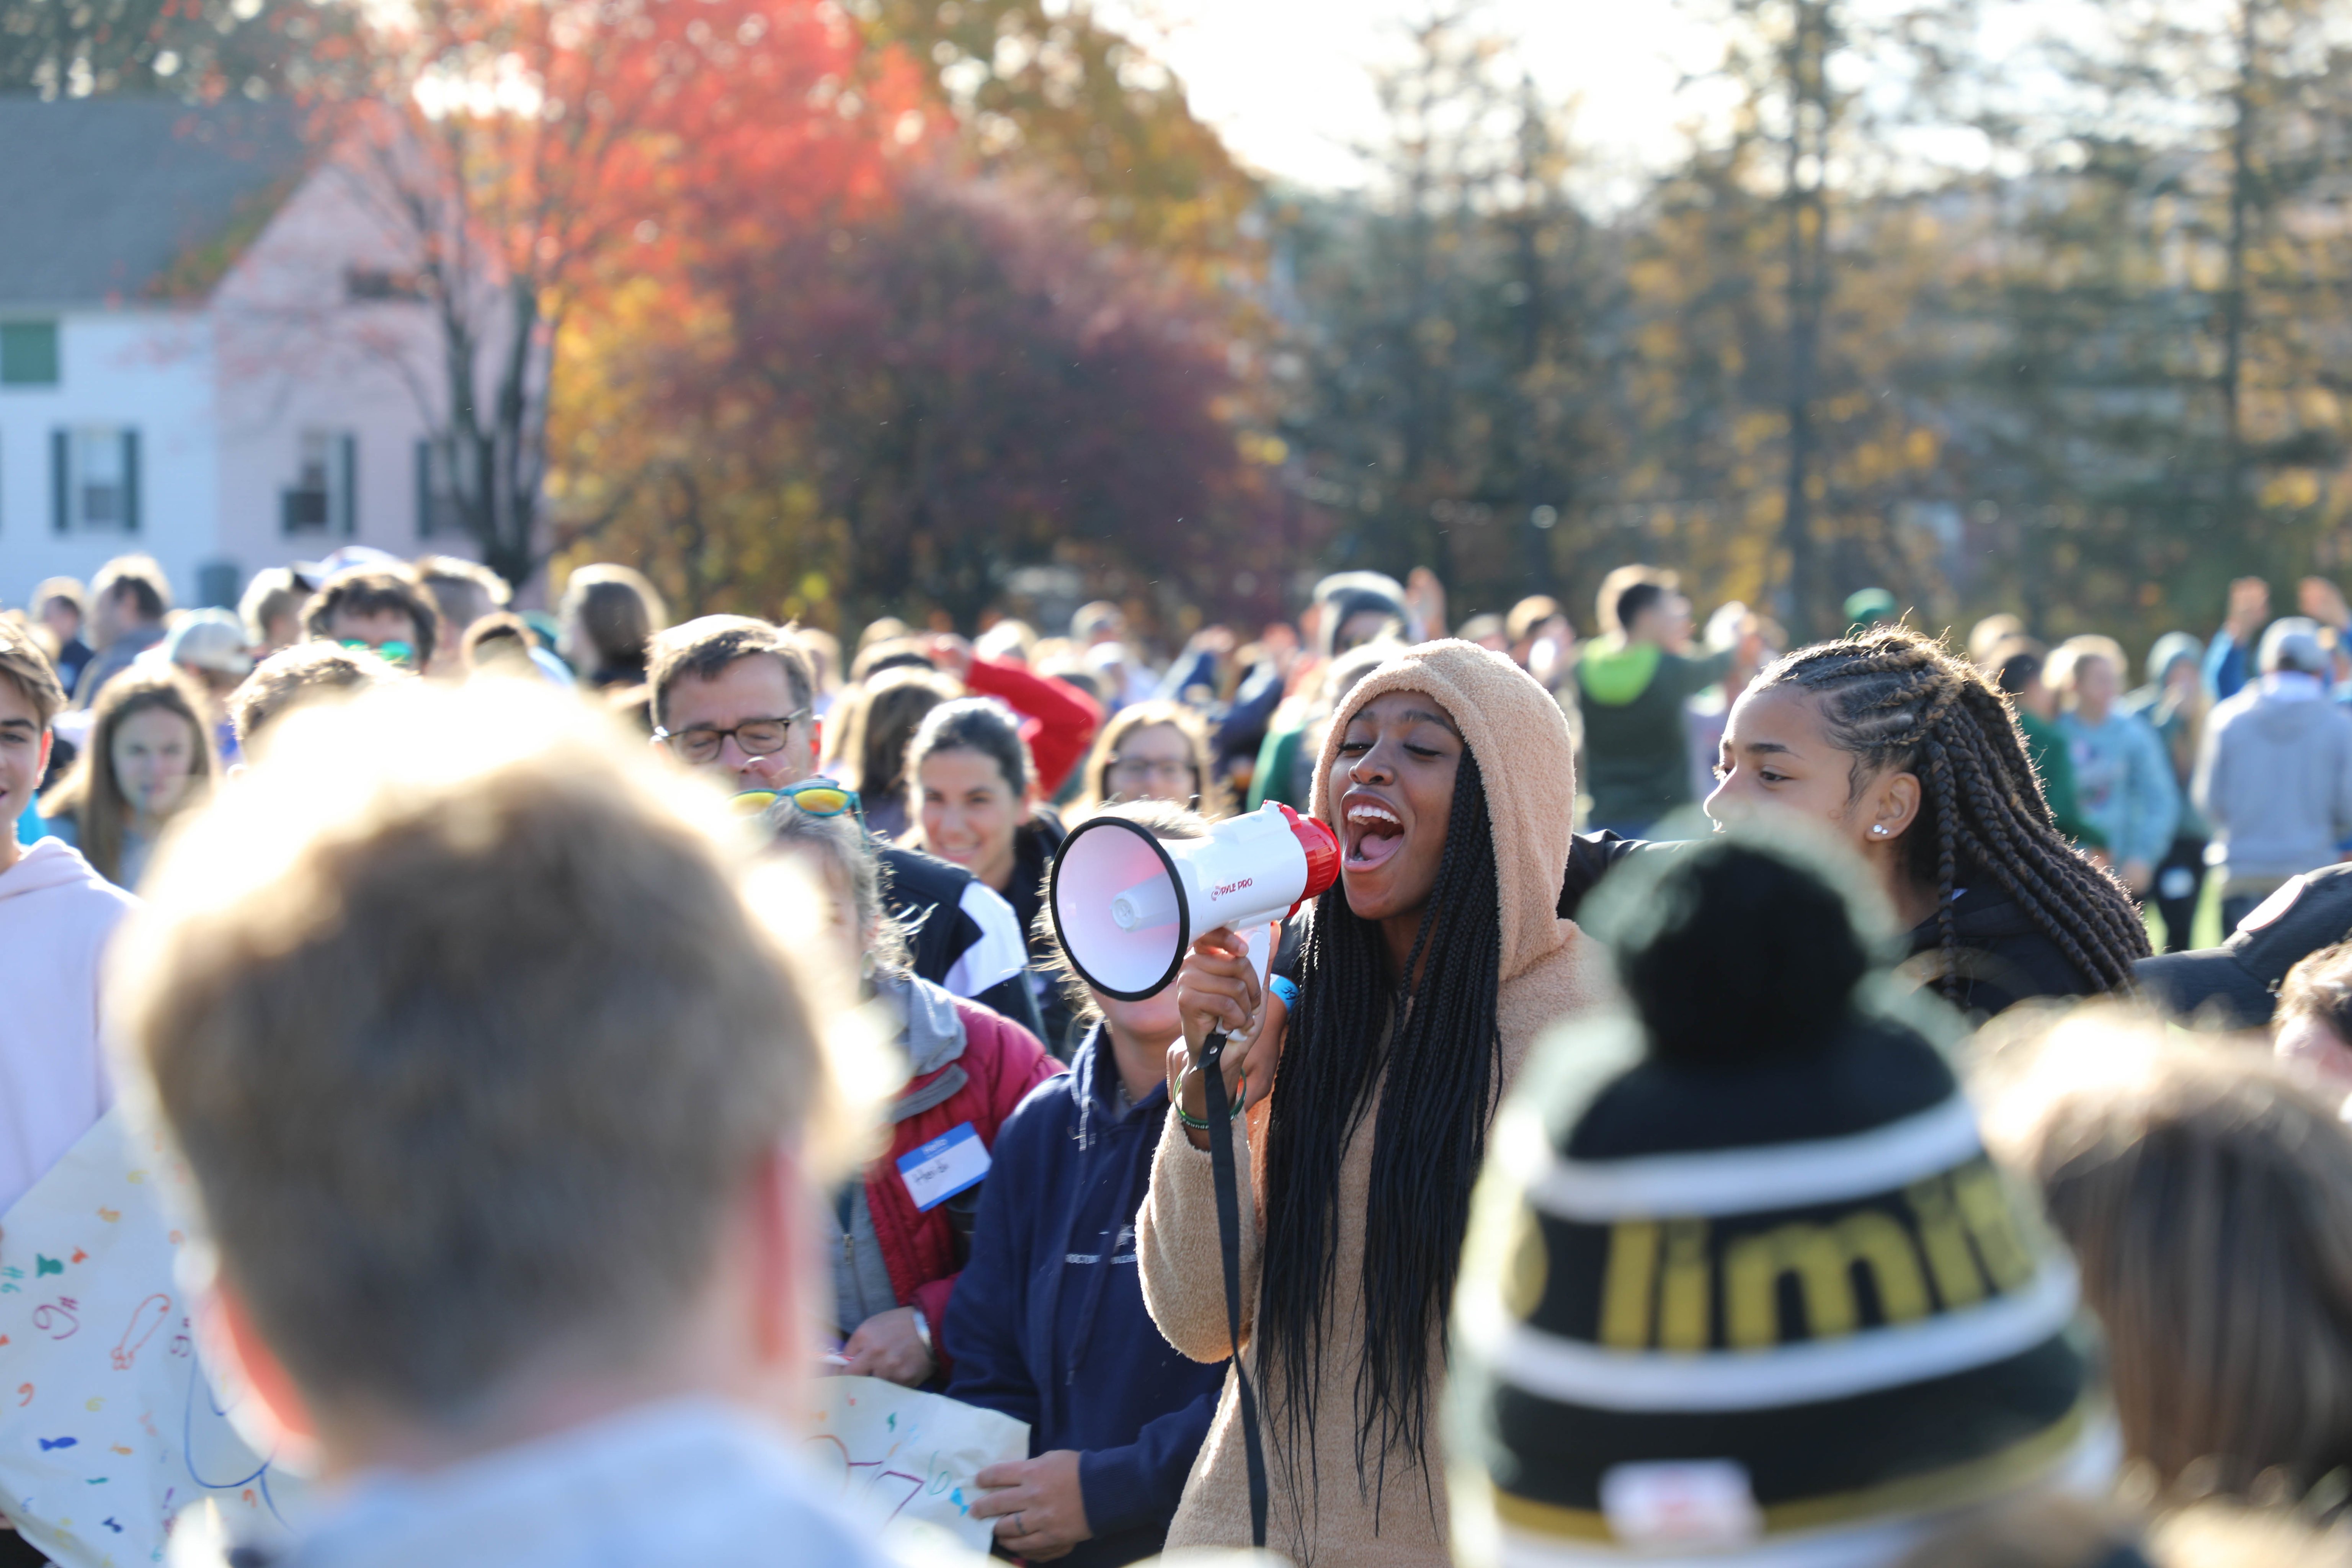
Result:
[[1152, 751], [902, 1228], [1427, 972]]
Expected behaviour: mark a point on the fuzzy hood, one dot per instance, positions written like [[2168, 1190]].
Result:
[[1520, 738]]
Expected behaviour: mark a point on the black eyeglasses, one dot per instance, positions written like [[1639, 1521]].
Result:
[[757, 737], [1155, 770]]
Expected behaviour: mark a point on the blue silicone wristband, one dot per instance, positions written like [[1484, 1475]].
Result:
[[1282, 985]]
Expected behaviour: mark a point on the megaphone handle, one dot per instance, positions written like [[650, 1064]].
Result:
[[1229, 1231]]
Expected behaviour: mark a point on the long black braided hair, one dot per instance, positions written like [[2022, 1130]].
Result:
[[1428, 1090], [1894, 698]]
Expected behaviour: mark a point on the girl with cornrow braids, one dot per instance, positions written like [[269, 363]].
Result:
[[1904, 750], [1427, 972]]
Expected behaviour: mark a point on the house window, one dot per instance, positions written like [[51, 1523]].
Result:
[[436, 494], [94, 473], [28, 354], [324, 496], [369, 285]]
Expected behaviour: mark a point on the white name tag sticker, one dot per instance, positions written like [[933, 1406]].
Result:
[[945, 1166], [1684, 1503]]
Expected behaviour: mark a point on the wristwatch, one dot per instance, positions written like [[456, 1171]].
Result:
[[923, 1333]]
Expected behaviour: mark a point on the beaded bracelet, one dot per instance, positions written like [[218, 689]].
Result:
[[1197, 1125]]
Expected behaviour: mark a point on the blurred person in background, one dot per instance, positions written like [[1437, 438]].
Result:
[[1286, 763], [1048, 1323], [208, 646], [2123, 781], [824, 651], [2174, 704], [2017, 669], [501, 644], [1542, 642], [478, 897], [1990, 635], [2274, 773], [294, 677], [2230, 656], [973, 794], [1100, 631], [1152, 751], [1058, 720], [609, 616], [1631, 688], [129, 599], [462, 593], [896, 1259], [731, 697], [2207, 1195], [272, 609], [1347, 611], [1010, 638], [1489, 631], [882, 718], [62, 608], [382, 609], [1706, 714], [149, 759]]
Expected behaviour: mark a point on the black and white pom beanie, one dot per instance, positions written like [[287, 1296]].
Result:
[[1741, 1286]]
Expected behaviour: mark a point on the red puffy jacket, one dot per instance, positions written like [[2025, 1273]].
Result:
[[1001, 1062]]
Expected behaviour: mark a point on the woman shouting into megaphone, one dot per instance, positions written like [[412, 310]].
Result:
[[1426, 973]]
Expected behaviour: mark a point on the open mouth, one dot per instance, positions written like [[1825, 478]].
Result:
[[1374, 833]]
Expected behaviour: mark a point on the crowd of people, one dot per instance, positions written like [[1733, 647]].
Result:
[[1739, 1102]]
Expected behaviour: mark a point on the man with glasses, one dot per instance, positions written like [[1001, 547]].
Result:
[[735, 697]]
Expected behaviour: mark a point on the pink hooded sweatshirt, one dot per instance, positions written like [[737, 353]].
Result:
[[55, 914]]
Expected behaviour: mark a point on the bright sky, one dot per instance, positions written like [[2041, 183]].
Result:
[[1286, 81]]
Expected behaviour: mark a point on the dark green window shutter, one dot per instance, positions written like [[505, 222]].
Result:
[[351, 484], [61, 478], [131, 481], [28, 354]]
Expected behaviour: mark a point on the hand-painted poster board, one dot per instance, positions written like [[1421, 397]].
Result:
[[899, 1453], [109, 1425]]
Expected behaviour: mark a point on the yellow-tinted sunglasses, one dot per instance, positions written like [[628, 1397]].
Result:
[[818, 797]]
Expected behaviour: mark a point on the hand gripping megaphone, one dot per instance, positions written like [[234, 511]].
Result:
[[1127, 905]]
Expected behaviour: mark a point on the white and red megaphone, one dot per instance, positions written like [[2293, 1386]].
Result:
[[1127, 905]]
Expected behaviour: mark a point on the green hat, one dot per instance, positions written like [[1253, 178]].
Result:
[[1741, 1286], [1868, 607]]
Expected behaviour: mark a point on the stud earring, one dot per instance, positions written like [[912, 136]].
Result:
[[1878, 830]]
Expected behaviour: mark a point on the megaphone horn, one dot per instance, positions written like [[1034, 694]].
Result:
[[1126, 905]]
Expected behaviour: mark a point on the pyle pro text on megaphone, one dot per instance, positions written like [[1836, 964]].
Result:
[[1127, 905]]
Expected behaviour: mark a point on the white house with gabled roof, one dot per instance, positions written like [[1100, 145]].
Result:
[[208, 351]]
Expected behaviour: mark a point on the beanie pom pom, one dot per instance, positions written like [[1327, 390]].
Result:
[[1740, 951]]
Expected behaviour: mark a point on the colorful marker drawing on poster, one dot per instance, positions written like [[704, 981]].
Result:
[[899, 1454], [109, 1425]]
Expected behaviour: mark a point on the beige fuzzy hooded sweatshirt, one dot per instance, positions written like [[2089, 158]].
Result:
[[1550, 970]]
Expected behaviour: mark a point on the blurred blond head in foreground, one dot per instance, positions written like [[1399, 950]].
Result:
[[493, 1081]]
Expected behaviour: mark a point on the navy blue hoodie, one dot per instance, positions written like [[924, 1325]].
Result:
[[1048, 1323]]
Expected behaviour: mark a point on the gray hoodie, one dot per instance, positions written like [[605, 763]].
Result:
[[2274, 776]]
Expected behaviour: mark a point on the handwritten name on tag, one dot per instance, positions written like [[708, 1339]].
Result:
[[945, 1166]]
